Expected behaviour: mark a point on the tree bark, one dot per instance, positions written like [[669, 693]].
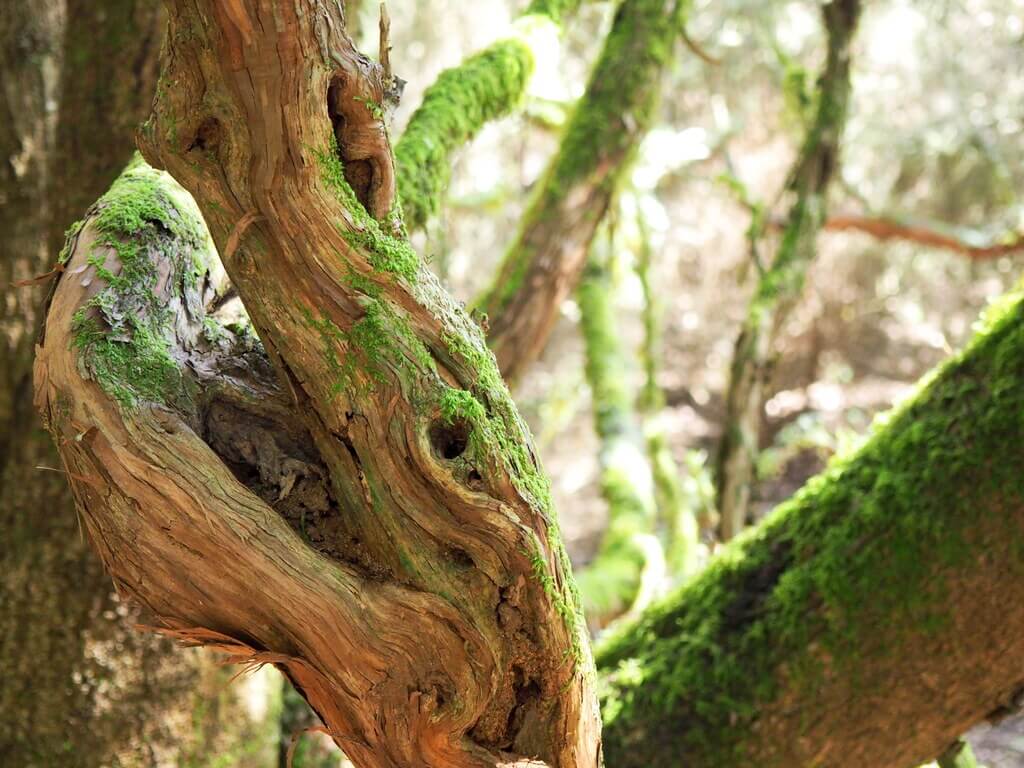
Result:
[[543, 266], [781, 283], [427, 613], [80, 689], [871, 619]]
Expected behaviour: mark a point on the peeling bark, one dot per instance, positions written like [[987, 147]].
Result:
[[868, 621], [434, 622], [781, 283], [542, 267]]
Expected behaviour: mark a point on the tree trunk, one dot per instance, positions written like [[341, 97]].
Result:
[[543, 266], [779, 286], [80, 689], [407, 573], [870, 620]]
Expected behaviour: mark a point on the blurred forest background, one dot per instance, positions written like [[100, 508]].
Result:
[[933, 143]]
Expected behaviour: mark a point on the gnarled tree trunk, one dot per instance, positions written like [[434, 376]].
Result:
[[404, 568]]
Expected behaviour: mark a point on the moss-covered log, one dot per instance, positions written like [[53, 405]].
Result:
[[611, 583], [463, 99], [780, 284], [430, 616], [867, 622], [543, 265]]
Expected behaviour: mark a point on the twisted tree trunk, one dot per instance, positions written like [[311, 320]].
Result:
[[375, 524]]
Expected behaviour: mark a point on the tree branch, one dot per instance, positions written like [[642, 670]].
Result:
[[929, 234], [544, 264], [780, 284], [462, 100], [838, 631]]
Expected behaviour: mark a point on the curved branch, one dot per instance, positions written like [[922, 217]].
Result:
[[543, 265], [928, 234], [461, 101], [838, 631]]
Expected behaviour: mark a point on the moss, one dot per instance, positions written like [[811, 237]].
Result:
[[124, 333], [459, 103], [860, 547], [385, 252], [611, 582], [499, 438], [604, 132]]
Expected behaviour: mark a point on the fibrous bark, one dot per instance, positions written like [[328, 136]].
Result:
[[429, 615], [867, 622], [780, 284], [543, 265], [463, 99]]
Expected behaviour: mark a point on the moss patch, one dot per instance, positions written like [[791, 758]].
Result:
[[124, 333]]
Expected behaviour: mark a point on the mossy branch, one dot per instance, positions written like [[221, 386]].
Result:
[[900, 564], [611, 583], [463, 99], [543, 265]]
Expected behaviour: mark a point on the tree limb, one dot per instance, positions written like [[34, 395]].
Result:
[[839, 631], [461, 101], [543, 265]]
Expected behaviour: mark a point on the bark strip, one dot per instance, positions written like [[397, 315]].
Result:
[[871, 619]]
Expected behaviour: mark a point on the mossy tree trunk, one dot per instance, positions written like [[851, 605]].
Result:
[[80, 687], [544, 264], [611, 583], [780, 283], [867, 622], [372, 521]]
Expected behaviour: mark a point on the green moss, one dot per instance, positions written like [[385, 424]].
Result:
[[499, 438], [459, 103], [611, 582], [385, 252], [853, 562], [124, 333]]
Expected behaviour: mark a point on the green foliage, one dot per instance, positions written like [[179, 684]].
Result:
[[806, 584]]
